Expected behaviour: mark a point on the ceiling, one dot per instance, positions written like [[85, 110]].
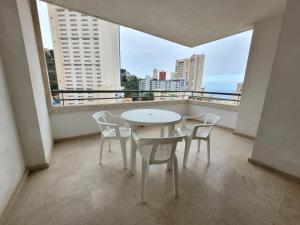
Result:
[[187, 22]]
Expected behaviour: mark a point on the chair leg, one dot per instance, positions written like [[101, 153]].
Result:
[[169, 165], [175, 169], [199, 143], [208, 150], [124, 153], [188, 142], [145, 173], [101, 149], [133, 149], [109, 145]]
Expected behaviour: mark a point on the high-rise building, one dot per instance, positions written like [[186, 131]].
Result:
[[86, 51], [173, 75], [191, 69], [162, 75], [181, 69], [155, 74]]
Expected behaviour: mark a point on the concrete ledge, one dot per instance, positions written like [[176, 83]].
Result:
[[110, 106], [274, 170], [14, 198], [243, 135], [214, 105]]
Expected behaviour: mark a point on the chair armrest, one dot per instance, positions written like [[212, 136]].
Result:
[[112, 125], [184, 118], [135, 137], [136, 140], [196, 127]]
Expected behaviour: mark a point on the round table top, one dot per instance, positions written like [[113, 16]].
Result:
[[151, 117]]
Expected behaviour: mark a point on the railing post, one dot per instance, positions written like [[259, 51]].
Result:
[[62, 97]]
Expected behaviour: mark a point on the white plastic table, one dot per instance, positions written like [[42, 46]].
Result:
[[149, 117]]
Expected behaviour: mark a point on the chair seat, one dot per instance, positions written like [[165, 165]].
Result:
[[124, 131], [186, 131]]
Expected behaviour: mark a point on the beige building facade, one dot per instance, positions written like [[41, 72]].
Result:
[[86, 51], [191, 69]]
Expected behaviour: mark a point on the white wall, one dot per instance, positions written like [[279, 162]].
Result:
[[258, 72], [228, 117], [12, 166], [69, 124], [25, 88], [278, 139]]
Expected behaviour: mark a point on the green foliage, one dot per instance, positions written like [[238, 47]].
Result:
[[148, 96], [49, 55], [130, 82]]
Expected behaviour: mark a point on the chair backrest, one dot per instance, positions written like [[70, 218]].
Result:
[[209, 118], [162, 149], [102, 118]]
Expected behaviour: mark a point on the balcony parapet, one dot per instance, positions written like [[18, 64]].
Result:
[[137, 104], [226, 107], [112, 106]]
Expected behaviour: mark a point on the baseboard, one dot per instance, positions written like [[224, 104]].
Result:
[[75, 137], [38, 167], [243, 135], [13, 198], [274, 170]]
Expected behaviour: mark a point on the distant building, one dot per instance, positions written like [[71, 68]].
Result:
[[239, 87], [86, 51], [155, 74], [191, 69], [162, 75], [173, 76], [149, 84]]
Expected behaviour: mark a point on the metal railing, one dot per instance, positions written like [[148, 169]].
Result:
[[59, 96]]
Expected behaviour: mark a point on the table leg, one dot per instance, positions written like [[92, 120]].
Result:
[[162, 131], [132, 153]]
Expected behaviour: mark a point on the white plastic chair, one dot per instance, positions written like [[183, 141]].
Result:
[[199, 131], [157, 151], [112, 127]]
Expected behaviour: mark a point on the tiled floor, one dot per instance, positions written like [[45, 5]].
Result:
[[76, 190]]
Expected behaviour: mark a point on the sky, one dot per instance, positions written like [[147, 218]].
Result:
[[225, 59]]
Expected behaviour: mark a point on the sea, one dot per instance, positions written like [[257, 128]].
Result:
[[226, 83], [222, 82]]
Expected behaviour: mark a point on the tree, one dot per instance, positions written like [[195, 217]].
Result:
[[50, 61], [148, 96], [130, 82]]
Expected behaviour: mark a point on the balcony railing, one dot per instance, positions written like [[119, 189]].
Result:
[[61, 97]]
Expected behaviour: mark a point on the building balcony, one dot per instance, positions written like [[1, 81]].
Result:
[[49, 171]]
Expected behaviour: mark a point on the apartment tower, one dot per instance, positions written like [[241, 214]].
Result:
[[155, 74], [191, 69], [86, 51]]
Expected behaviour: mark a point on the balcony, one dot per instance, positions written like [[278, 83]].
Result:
[[77, 190], [48, 154]]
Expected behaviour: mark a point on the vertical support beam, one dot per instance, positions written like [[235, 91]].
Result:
[[25, 86], [41, 53], [258, 72], [277, 141]]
